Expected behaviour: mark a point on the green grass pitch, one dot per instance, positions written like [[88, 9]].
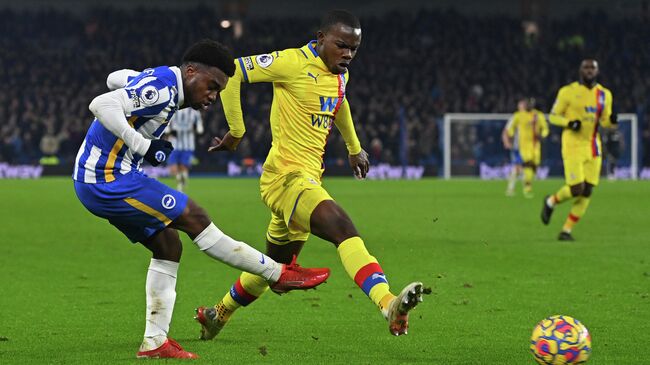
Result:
[[73, 286]]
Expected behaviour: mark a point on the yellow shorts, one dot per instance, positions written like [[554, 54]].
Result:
[[578, 170], [532, 154], [292, 197]]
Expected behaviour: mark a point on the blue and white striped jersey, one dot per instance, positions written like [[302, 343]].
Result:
[[184, 123], [152, 97]]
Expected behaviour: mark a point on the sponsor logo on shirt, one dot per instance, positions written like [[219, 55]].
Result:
[[328, 104], [313, 77], [248, 63], [134, 98]]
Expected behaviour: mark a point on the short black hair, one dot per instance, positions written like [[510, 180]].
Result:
[[338, 16], [211, 53]]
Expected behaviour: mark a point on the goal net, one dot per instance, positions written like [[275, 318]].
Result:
[[472, 147]]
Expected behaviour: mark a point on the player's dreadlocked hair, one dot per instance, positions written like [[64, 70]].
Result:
[[338, 16], [211, 53]]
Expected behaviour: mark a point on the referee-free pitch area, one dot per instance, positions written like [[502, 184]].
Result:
[[73, 287]]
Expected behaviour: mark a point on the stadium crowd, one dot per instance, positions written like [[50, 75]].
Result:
[[410, 70]]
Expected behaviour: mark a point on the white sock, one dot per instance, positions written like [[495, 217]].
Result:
[[161, 295], [512, 179], [240, 255], [180, 183], [550, 201], [185, 175]]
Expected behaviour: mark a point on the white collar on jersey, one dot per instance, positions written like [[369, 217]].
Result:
[[179, 82]]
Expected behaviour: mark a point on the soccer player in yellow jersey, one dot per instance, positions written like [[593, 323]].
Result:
[[512, 144], [309, 86], [580, 108], [530, 125]]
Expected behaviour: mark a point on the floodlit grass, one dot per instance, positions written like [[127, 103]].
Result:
[[73, 286]]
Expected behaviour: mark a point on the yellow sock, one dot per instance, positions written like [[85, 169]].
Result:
[[578, 209], [529, 174], [562, 195], [223, 313], [365, 271], [244, 291]]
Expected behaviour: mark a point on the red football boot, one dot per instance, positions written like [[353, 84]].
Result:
[[169, 350], [295, 277]]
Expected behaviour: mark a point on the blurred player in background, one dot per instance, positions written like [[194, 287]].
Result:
[[109, 182], [181, 134], [529, 126], [309, 86], [580, 108], [512, 144]]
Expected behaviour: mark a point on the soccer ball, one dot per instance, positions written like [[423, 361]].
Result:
[[559, 340]]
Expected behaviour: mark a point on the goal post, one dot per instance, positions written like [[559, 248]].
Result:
[[460, 128]]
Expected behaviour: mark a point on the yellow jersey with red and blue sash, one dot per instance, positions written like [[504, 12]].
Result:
[[307, 100], [593, 107], [581, 149]]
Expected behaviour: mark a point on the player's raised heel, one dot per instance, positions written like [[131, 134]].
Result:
[[169, 350], [295, 277], [399, 308], [546, 211]]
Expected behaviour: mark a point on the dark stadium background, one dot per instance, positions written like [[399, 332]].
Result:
[[418, 60]]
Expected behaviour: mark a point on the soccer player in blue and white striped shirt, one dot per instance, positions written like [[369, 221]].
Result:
[[181, 130], [109, 182]]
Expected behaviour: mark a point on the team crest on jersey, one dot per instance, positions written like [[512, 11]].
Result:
[[264, 60], [149, 95], [168, 201], [248, 63]]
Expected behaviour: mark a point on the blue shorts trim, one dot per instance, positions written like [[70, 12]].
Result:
[[515, 157], [137, 205], [180, 157]]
